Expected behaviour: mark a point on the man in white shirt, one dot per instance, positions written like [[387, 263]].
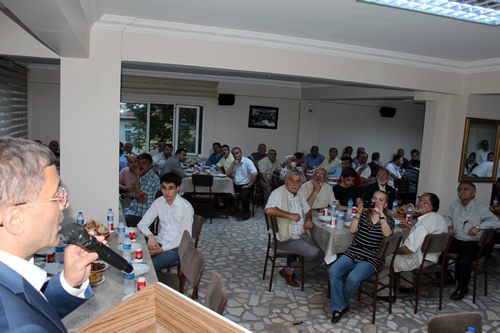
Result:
[[175, 214], [267, 166], [161, 146], [244, 175], [482, 154], [31, 205], [364, 169], [226, 160], [394, 169], [318, 194]]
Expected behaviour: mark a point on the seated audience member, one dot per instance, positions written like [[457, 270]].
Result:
[[267, 166], [318, 194], [405, 163], [226, 160], [415, 155], [470, 164], [409, 255], [374, 164], [332, 159], [482, 153], [160, 158], [123, 159], [411, 175], [346, 163], [359, 151], [394, 169], [244, 175], [147, 183], [160, 146], [314, 158], [360, 261], [363, 169], [259, 154], [128, 149], [293, 215], [216, 155], [346, 189], [175, 214], [347, 150], [174, 164], [54, 148], [466, 218], [290, 164], [484, 169], [380, 185], [31, 205], [127, 180]]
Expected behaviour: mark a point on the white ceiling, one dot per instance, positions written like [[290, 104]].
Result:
[[347, 27]]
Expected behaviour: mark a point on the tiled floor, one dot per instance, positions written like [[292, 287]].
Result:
[[236, 250]]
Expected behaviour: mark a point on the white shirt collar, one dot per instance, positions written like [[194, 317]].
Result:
[[31, 273]]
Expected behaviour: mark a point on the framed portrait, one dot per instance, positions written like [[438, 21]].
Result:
[[263, 117], [480, 150]]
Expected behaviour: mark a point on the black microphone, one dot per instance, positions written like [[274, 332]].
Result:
[[77, 234]]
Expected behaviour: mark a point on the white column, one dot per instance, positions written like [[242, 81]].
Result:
[[90, 97]]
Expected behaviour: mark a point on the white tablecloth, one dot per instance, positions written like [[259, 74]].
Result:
[[220, 185]]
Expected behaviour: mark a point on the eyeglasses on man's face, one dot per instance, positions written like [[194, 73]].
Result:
[[62, 198], [320, 175]]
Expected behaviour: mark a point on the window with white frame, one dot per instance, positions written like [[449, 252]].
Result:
[[144, 124]]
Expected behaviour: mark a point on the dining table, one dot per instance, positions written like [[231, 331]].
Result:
[[221, 184], [110, 291], [334, 241]]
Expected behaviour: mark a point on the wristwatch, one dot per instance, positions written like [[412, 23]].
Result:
[[382, 218]]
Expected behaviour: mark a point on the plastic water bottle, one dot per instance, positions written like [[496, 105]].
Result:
[[121, 231], [349, 207], [394, 207], [79, 219], [128, 282], [340, 220], [470, 329], [111, 219], [127, 248], [334, 208], [61, 266], [59, 250], [409, 214]]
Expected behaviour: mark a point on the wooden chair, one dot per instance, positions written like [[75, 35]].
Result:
[[274, 253], [480, 264], [195, 232], [455, 322], [191, 266], [203, 181], [216, 297], [388, 248], [433, 243], [258, 194]]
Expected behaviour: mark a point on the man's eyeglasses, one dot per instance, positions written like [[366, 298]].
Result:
[[319, 175], [62, 198]]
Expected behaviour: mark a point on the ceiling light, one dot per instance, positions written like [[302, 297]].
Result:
[[486, 12]]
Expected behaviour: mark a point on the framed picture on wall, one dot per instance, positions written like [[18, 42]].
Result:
[[263, 117]]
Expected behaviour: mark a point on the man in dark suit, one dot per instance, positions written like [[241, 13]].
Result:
[[380, 185], [31, 205]]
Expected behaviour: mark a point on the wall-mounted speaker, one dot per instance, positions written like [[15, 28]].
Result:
[[226, 99], [387, 112]]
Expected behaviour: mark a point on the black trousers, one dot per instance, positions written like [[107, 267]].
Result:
[[467, 253], [245, 194]]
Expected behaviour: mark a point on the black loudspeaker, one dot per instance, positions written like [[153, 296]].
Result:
[[387, 112], [226, 99]]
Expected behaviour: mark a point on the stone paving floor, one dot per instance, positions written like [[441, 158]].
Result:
[[236, 250]]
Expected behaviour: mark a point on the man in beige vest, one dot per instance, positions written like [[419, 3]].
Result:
[[294, 218]]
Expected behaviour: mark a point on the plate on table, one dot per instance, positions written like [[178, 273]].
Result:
[[397, 221], [140, 269], [325, 218], [135, 247], [96, 279], [220, 175], [98, 266]]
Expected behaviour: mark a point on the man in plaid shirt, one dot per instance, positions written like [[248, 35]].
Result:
[[146, 186]]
